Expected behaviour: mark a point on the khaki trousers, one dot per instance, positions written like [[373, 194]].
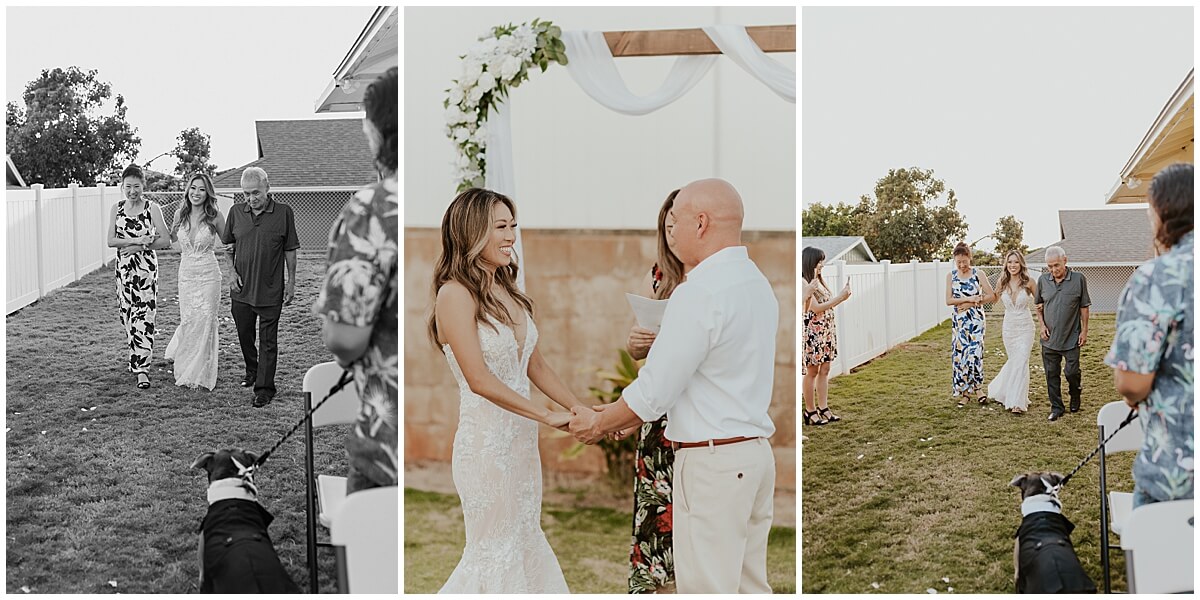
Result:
[[723, 505]]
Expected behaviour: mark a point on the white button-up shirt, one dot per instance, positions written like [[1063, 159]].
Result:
[[712, 365]]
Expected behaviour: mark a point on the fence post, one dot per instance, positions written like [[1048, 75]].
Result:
[[916, 298], [940, 282], [887, 313], [37, 222], [103, 226], [74, 187], [840, 267]]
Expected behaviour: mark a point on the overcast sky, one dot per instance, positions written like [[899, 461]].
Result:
[[219, 69], [1020, 111]]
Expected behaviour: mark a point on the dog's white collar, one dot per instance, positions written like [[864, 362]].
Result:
[[229, 488], [1040, 503]]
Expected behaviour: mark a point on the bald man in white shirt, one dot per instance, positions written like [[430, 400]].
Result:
[[710, 371]]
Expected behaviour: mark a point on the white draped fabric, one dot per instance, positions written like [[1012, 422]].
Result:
[[735, 43], [592, 66]]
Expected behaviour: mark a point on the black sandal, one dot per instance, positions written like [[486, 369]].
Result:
[[828, 414], [983, 400], [962, 403], [143, 385], [810, 418]]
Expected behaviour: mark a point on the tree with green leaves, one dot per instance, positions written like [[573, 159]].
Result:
[[1009, 235], [913, 215], [193, 152], [829, 220], [64, 134]]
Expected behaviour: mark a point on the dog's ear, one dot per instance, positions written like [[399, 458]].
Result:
[[1018, 480], [252, 457], [1054, 478], [202, 460]]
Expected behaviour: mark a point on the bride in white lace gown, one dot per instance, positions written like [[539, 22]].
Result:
[[1011, 385], [484, 325], [194, 345]]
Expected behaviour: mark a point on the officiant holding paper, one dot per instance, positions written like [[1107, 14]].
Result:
[[710, 369]]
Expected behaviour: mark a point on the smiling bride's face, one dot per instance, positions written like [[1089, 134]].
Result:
[[499, 248]]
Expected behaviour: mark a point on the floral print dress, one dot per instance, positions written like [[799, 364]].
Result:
[[651, 560], [969, 327], [820, 332], [1154, 335], [137, 289], [360, 290]]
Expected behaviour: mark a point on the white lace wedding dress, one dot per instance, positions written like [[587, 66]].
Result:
[[194, 345], [1011, 385], [498, 474]]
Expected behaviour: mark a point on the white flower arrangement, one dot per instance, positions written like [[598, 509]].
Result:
[[500, 60]]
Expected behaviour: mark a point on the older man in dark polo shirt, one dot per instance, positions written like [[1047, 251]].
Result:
[[263, 234], [1062, 305]]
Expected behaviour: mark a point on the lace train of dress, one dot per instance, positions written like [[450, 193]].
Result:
[[498, 474], [194, 345], [1011, 385]]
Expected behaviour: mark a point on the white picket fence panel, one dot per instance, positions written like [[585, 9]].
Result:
[[53, 238], [889, 304]]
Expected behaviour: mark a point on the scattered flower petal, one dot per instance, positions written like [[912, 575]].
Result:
[[85, 428], [889, 458], [922, 456], [875, 584], [112, 583], [950, 589], [859, 456], [25, 589], [43, 432], [945, 580], [930, 591]]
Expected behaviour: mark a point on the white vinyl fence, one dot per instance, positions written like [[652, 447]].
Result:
[[53, 238]]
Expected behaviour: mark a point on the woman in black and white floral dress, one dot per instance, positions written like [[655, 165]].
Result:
[[651, 564]]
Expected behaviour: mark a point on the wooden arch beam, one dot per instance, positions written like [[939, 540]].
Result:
[[677, 42]]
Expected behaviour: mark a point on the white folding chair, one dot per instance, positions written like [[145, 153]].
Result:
[[324, 493], [1159, 543], [365, 532], [1114, 506]]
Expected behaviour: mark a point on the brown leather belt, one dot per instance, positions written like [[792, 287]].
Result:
[[720, 442]]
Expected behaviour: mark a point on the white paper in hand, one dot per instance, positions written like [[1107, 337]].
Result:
[[649, 312]]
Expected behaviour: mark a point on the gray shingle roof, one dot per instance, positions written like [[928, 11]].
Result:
[[1102, 236], [309, 152], [835, 247]]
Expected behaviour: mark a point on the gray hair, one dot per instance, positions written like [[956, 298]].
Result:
[[1054, 252], [256, 174]]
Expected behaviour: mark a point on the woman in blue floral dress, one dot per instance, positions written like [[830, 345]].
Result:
[[967, 292], [651, 563], [1153, 352]]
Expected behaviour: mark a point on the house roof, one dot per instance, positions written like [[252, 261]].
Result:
[[836, 247], [1102, 236], [1170, 140], [309, 153], [12, 177], [376, 50]]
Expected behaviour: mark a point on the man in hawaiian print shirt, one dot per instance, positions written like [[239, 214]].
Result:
[[358, 302], [1153, 352]]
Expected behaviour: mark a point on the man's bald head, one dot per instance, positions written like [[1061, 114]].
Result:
[[708, 217]]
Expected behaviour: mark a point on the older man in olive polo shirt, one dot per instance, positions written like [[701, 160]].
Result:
[[263, 235], [1062, 305]]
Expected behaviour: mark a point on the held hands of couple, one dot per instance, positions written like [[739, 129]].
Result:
[[585, 424]]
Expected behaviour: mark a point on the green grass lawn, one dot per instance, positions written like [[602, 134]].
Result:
[[592, 545], [881, 505], [102, 501]]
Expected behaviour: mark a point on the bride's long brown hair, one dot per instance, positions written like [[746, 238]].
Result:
[[1005, 276], [466, 228], [668, 263]]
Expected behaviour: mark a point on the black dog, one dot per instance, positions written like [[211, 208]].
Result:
[[1043, 557], [236, 553]]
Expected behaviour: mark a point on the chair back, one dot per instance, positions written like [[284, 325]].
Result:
[[367, 526], [1159, 539], [341, 408], [1109, 418]]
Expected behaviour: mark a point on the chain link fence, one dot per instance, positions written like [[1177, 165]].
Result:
[[314, 209], [1105, 283]]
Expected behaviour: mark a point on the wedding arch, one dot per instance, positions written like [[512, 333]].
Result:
[[501, 60]]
